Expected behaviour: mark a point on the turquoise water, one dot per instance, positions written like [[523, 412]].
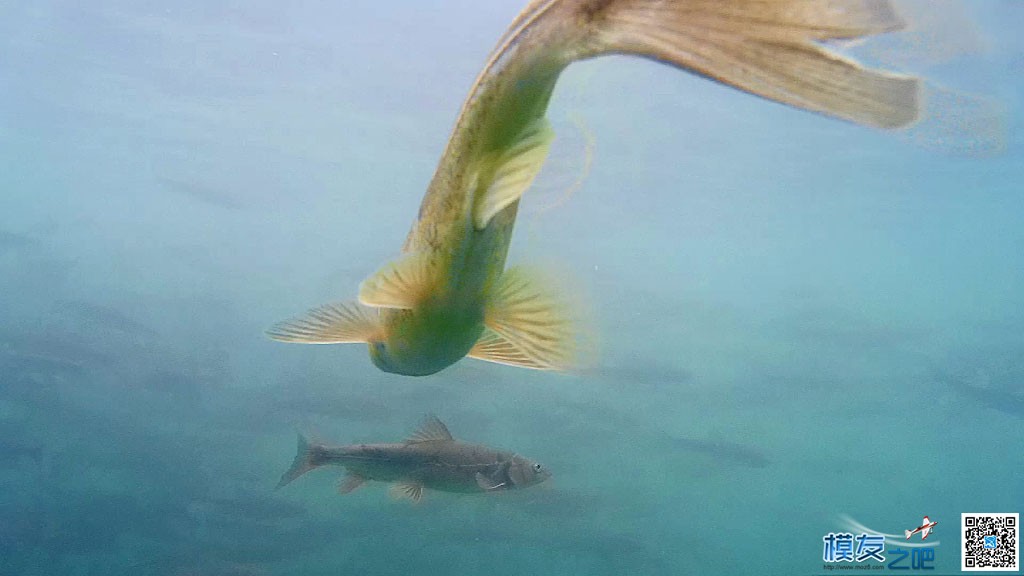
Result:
[[799, 319]]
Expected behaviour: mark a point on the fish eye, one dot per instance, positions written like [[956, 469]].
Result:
[[536, 467], [379, 355]]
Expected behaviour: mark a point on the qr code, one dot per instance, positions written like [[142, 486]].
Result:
[[990, 541]]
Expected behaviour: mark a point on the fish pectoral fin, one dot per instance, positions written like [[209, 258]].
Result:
[[493, 347], [400, 284], [514, 171], [527, 326], [330, 324], [350, 482], [431, 430], [407, 489], [487, 484]]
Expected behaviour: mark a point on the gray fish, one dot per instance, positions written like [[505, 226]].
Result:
[[724, 451], [429, 458], [102, 317], [1003, 393], [13, 240], [201, 192]]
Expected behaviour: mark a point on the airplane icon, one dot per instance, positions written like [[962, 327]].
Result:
[[925, 529]]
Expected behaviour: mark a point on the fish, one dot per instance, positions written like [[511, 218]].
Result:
[[97, 316], [723, 451], [13, 448], [429, 458], [14, 241], [200, 192], [450, 295], [1005, 394]]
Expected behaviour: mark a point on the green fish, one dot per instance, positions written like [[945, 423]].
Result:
[[449, 295], [430, 458]]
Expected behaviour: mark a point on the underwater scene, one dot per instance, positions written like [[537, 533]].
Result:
[[599, 287]]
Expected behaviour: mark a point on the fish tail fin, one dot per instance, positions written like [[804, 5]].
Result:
[[774, 49], [307, 457]]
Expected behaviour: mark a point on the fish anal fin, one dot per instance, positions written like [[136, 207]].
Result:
[[330, 324], [431, 430], [407, 489], [514, 171], [528, 325], [400, 284], [350, 482]]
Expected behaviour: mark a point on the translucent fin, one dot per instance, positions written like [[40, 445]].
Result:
[[306, 459], [350, 482], [567, 167], [960, 124], [486, 483], [407, 489], [941, 31], [493, 347], [431, 430], [771, 49], [400, 284], [528, 326], [514, 171], [330, 324]]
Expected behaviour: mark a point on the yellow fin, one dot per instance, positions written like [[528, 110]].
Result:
[[514, 171], [527, 326], [772, 49], [493, 347], [330, 324], [431, 430], [407, 489], [400, 284]]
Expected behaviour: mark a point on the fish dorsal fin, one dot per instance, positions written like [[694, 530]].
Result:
[[527, 326], [407, 490], [350, 482], [400, 284], [514, 171], [488, 484], [431, 430], [330, 324]]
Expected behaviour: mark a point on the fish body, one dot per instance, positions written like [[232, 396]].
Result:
[[430, 458], [450, 294], [1005, 394], [723, 451]]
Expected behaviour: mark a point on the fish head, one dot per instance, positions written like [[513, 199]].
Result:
[[382, 358], [411, 345], [393, 358], [524, 472]]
